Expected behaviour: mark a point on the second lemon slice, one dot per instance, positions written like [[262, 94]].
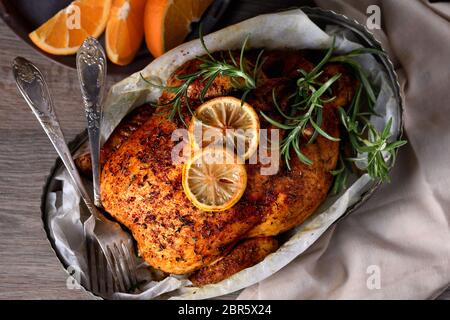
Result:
[[213, 180], [226, 122]]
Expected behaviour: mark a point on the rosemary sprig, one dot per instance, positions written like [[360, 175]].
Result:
[[359, 71], [340, 176], [176, 102], [306, 110], [307, 82], [241, 77], [212, 68], [298, 124], [373, 146], [368, 140], [364, 138]]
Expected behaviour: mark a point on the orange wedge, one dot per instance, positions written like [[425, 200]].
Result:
[[65, 31], [125, 30], [167, 22]]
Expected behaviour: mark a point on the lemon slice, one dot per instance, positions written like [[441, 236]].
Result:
[[213, 180], [226, 122]]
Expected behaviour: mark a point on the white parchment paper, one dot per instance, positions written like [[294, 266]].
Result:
[[290, 29]]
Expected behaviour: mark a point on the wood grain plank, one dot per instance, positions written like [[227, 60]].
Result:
[[28, 267]]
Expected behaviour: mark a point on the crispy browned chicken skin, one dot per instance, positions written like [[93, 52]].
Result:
[[142, 189], [244, 255]]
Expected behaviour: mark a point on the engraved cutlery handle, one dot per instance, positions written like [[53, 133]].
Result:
[[91, 68], [34, 89]]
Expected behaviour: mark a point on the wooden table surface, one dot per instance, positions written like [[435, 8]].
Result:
[[28, 267]]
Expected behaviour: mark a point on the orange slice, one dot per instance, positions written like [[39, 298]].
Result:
[[167, 22], [213, 179], [125, 30], [64, 33]]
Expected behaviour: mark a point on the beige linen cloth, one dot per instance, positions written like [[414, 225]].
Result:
[[402, 233]]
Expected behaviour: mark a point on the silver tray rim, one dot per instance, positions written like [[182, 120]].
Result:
[[316, 15]]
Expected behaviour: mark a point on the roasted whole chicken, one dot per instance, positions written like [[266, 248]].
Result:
[[141, 187]]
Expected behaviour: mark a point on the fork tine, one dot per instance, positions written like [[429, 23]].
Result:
[[101, 270], [108, 277], [121, 263], [110, 263], [115, 269], [130, 262], [92, 265], [110, 282]]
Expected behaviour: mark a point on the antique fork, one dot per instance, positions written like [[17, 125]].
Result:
[[91, 69], [114, 243]]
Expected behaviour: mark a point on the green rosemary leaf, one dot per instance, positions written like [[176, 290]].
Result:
[[319, 124], [210, 79], [188, 105], [202, 41], [355, 103], [277, 106], [318, 93], [151, 83], [190, 75], [325, 59], [276, 123], [387, 129], [300, 155], [341, 175], [232, 58], [241, 56], [337, 171], [367, 86], [394, 145], [322, 132], [244, 96], [360, 51], [258, 64]]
